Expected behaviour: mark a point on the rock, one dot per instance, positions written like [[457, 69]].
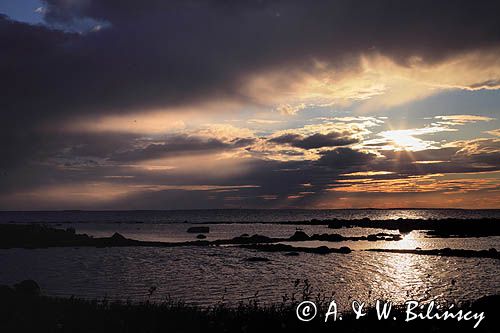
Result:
[[299, 236], [321, 250], [250, 239], [117, 237], [28, 288], [198, 230], [345, 249], [328, 237], [292, 254], [201, 236]]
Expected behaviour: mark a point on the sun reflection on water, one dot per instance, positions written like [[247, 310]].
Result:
[[409, 241]]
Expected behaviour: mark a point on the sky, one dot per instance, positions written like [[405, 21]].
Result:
[[249, 104]]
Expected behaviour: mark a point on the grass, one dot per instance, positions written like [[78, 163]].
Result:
[[28, 312]]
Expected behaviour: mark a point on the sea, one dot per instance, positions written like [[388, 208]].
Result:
[[211, 275]]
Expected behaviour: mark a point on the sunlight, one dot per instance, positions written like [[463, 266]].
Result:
[[405, 140], [409, 242]]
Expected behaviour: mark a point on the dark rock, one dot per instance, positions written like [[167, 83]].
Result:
[[28, 288], [118, 237], [447, 252], [345, 249], [322, 250], [201, 236], [247, 240], [329, 237], [299, 236], [292, 254]]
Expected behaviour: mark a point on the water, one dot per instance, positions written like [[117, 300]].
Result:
[[241, 215], [208, 275]]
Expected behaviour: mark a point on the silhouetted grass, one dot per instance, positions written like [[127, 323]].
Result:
[[22, 311]]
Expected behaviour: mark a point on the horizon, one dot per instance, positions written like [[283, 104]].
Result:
[[198, 209]]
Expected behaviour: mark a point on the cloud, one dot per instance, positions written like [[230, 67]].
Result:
[[145, 99], [150, 57], [457, 120], [495, 132], [318, 140], [344, 158], [476, 146], [180, 144], [289, 110], [417, 184]]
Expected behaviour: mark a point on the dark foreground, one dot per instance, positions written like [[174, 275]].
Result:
[[22, 309]]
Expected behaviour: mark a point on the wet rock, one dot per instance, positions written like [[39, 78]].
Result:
[[201, 236]]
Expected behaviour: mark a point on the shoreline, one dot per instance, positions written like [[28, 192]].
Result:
[[34, 236]]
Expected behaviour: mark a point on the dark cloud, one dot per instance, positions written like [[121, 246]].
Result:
[[155, 54], [158, 53], [345, 158], [179, 144], [318, 140], [286, 138]]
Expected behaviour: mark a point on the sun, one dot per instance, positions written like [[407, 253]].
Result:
[[406, 140]]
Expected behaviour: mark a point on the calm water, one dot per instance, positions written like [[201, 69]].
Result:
[[241, 215], [207, 275]]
